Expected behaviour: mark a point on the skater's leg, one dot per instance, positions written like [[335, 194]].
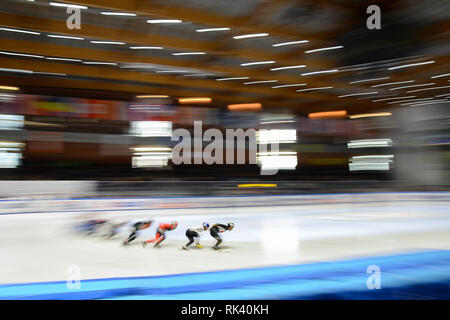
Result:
[[131, 237], [216, 236], [160, 239], [190, 237]]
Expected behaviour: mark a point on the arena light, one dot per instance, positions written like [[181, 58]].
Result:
[[310, 89], [164, 21], [410, 65], [391, 83], [57, 4], [64, 37], [289, 43], [254, 35], [235, 78], [194, 100], [146, 48], [107, 42], [319, 72], [259, 82], [187, 53], [413, 86], [288, 67], [369, 143], [440, 75], [20, 31], [324, 49], [358, 94], [21, 55], [328, 114], [257, 185], [15, 70], [64, 59], [426, 89], [289, 85], [245, 106], [393, 98], [256, 63], [212, 29], [152, 96], [369, 80], [369, 115], [127, 14], [9, 88]]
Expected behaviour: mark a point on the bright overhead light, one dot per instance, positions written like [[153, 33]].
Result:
[[264, 81], [410, 65], [51, 73], [319, 72], [105, 63], [414, 85], [64, 37], [21, 31], [236, 78], [324, 49], [194, 100], [369, 115], [443, 95], [289, 43], [426, 89], [64, 59], [9, 88], [152, 96], [394, 98], [289, 67], [327, 114], [357, 94], [57, 4], [118, 14], [309, 89], [391, 83], [290, 85], [187, 53], [245, 106], [146, 48], [410, 100], [21, 55], [15, 70], [212, 29], [107, 42], [255, 63], [441, 75], [369, 80], [164, 21], [254, 35]]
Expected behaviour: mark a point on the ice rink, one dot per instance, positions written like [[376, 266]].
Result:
[[42, 247]]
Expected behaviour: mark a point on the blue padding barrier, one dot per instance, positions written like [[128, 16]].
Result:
[[423, 275]]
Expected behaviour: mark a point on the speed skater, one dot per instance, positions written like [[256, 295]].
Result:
[[220, 228], [193, 234], [140, 225], [161, 233]]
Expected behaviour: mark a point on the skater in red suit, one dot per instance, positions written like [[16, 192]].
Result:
[[161, 233]]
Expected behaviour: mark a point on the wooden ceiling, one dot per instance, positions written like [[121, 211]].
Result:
[[366, 54]]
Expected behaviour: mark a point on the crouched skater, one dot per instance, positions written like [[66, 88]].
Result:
[[161, 233], [136, 227], [217, 229], [193, 234]]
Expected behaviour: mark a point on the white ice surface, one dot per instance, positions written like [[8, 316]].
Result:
[[41, 247]]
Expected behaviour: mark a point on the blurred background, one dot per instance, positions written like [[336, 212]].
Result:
[[89, 110]]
